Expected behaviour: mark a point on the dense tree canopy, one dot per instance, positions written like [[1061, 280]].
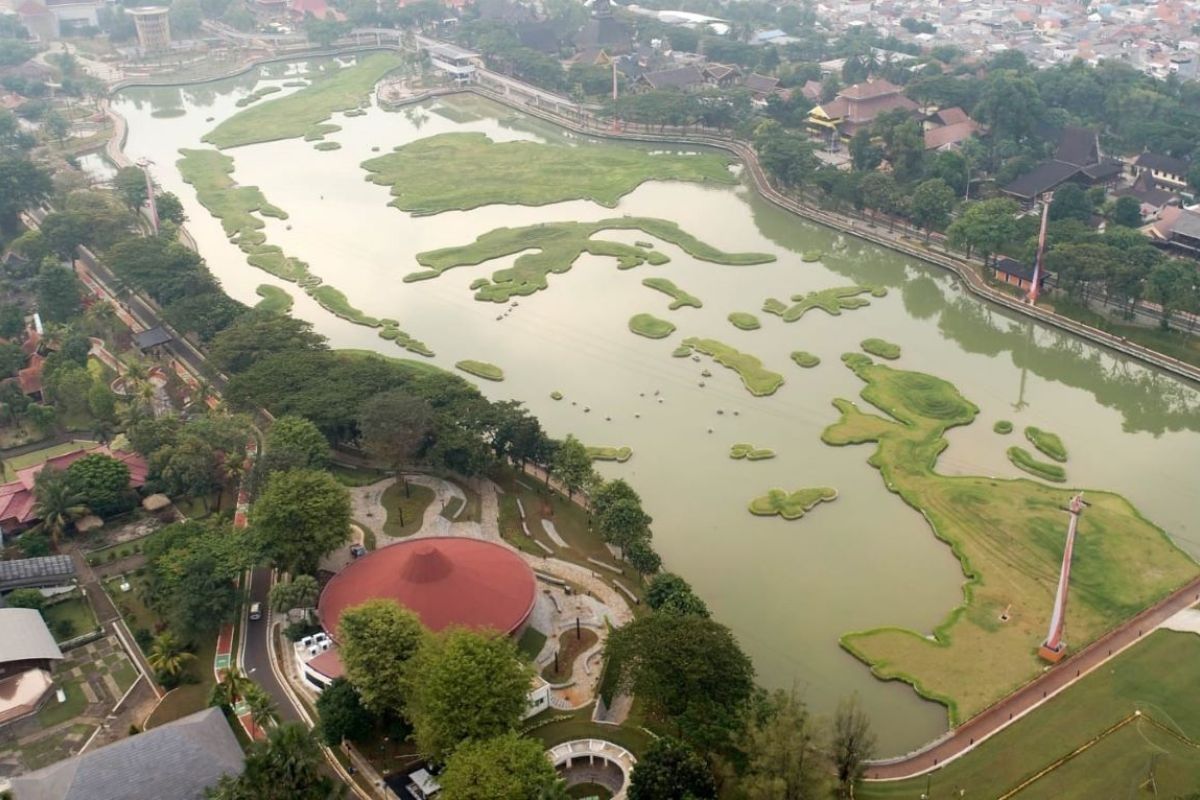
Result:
[[376, 642], [342, 715], [102, 482], [300, 516], [509, 765], [670, 770]]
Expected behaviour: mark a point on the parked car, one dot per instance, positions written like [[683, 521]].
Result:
[[357, 550], [255, 611]]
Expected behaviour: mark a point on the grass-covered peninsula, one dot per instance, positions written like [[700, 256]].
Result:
[[1008, 537], [304, 113], [558, 245], [607, 453], [273, 299], [481, 369], [461, 171]]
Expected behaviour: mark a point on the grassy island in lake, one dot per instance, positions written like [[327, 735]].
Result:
[[481, 369], [749, 452], [744, 321], [1048, 443], [881, 348], [831, 301], [558, 246], [791, 505], [805, 359], [1023, 459], [461, 171], [604, 453], [679, 298], [757, 379], [273, 299], [651, 326]]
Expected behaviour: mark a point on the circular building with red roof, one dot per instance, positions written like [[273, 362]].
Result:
[[445, 581]]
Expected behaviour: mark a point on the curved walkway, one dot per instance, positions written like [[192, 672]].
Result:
[[999, 716], [561, 755]]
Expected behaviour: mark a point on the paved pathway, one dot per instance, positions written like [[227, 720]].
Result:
[[994, 719]]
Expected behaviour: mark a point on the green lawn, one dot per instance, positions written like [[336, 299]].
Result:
[[76, 611], [357, 476], [128, 548], [189, 697], [1157, 676], [303, 113], [579, 725], [428, 176], [531, 642], [53, 748], [558, 245], [54, 713], [1008, 536], [412, 505], [757, 379]]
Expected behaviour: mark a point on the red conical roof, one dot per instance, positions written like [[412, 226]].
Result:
[[445, 581]]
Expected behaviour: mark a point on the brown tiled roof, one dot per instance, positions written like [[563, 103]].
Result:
[[952, 116], [870, 89], [949, 134]]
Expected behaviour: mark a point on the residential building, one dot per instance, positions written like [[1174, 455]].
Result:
[[17, 500], [456, 63], [1166, 171], [1178, 229], [1078, 159], [856, 107]]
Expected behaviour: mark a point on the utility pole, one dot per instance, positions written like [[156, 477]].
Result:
[[1032, 297]]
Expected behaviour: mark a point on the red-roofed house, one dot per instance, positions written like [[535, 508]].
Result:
[[17, 498], [299, 9]]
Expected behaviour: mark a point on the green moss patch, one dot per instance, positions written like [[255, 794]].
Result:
[[756, 378], [650, 326], [805, 359], [744, 321], [1048, 443], [1003, 427], [273, 299], [603, 453], [679, 298], [302, 113], [881, 348], [557, 246], [240, 210], [430, 175], [481, 369], [791, 505], [1007, 536], [749, 452], [1024, 460], [831, 301]]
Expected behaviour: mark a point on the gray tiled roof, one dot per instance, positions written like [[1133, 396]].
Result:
[[177, 761], [20, 571], [24, 636]]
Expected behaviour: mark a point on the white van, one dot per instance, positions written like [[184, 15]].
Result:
[[255, 611]]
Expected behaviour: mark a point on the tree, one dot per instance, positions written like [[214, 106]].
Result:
[[853, 744], [67, 386], [258, 334], [168, 657], [231, 688], [688, 670], [572, 465], [611, 492], [784, 753], [1070, 202], [930, 206], [878, 192], [56, 503], [624, 522], [301, 516], [263, 711], [130, 182], [509, 765], [342, 714], [1193, 177], [376, 641], [985, 226], [26, 598], [864, 155], [169, 208], [12, 320], [323, 32], [642, 556], [102, 403], [12, 358], [59, 293], [396, 427], [103, 483], [1128, 212], [286, 767], [300, 592], [670, 594], [185, 16], [22, 184], [464, 685], [187, 467], [670, 770], [1171, 284], [301, 439]]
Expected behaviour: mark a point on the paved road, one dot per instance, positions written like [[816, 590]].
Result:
[[256, 659]]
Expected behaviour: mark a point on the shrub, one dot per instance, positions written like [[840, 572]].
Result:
[[143, 637], [64, 629]]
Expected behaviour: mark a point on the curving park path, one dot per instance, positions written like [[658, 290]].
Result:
[[1033, 694]]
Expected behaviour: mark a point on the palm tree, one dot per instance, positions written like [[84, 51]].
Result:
[[287, 766], [56, 503], [263, 711], [167, 655], [233, 685]]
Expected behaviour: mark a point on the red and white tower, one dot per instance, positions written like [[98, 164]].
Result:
[[1054, 648]]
